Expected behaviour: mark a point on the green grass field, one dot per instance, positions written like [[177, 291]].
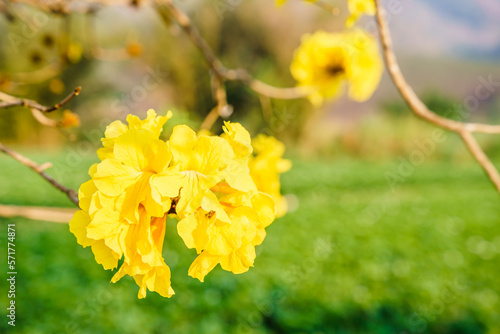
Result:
[[355, 256]]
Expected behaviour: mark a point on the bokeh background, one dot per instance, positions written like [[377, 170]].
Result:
[[392, 227]]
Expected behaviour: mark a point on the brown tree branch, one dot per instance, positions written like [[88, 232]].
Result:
[[216, 65], [40, 169], [420, 109]]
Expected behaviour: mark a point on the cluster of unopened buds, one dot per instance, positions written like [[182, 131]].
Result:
[[225, 191]]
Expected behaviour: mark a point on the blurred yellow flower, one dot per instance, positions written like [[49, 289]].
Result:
[[69, 119], [358, 8], [266, 167], [134, 49], [205, 180], [329, 61]]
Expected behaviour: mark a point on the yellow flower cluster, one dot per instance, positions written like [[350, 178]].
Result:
[[205, 180], [328, 61]]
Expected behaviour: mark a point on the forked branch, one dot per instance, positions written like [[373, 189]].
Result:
[[40, 170], [167, 9], [465, 130]]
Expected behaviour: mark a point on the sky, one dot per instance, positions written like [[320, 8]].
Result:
[[461, 28]]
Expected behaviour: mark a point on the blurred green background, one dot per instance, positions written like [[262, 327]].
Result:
[[390, 230], [354, 257]]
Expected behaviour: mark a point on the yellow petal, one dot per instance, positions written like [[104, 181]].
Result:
[[152, 123], [212, 155], [136, 149], [113, 177], [158, 280], [211, 203], [181, 143], [78, 226], [265, 208], [85, 193], [238, 176], [202, 265], [106, 223], [239, 261], [239, 139], [185, 229], [115, 129], [218, 243], [104, 255]]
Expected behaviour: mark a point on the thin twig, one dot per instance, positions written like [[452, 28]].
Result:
[[222, 109], [40, 169], [420, 109], [11, 101], [54, 215], [280, 93]]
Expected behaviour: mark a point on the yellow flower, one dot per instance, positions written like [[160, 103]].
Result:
[[266, 167], [358, 8], [329, 61], [229, 236], [204, 180]]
